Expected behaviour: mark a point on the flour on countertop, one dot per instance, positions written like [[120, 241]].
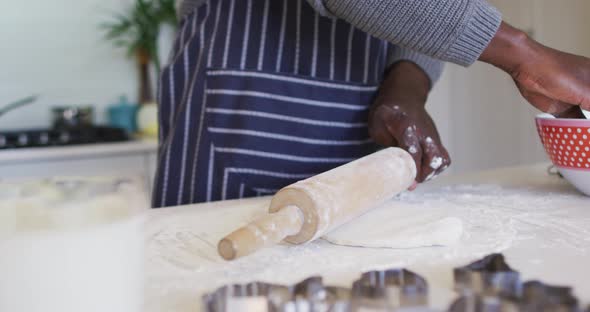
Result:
[[183, 260]]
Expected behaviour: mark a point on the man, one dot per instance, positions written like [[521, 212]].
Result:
[[262, 93]]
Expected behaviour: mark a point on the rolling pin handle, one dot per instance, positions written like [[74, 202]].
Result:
[[266, 231]]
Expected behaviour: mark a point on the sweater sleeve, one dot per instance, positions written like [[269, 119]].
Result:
[[456, 31], [432, 67]]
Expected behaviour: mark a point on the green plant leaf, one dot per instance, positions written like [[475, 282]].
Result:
[[139, 26]]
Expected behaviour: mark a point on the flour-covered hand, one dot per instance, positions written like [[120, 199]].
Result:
[[398, 118]]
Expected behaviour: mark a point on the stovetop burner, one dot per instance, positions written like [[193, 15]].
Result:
[[61, 137]]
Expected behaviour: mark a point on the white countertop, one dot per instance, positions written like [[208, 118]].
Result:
[[25, 155], [551, 242]]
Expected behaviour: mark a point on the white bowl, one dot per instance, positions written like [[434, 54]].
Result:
[[578, 178]]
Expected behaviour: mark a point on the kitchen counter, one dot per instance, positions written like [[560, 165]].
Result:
[[28, 155], [543, 229], [135, 158]]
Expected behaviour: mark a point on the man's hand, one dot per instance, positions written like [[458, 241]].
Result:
[[398, 118], [550, 80]]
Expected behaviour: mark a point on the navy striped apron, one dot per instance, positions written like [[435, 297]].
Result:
[[259, 94]]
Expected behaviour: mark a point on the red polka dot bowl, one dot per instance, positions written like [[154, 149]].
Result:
[[567, 142]]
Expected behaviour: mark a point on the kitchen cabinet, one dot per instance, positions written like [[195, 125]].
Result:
[[128, 159], [482, 117]]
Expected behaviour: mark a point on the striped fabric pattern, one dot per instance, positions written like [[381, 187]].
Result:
[[271, 122], [259, 94]]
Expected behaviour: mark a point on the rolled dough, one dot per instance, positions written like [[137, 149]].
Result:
[[396, 225]]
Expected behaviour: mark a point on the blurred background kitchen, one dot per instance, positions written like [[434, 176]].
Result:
[[81, 72], [83, 76]]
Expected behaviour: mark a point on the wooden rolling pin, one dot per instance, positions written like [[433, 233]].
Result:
[[308, 209]]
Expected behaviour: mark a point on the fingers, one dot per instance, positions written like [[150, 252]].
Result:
[[435, 159], [405, 133], [430, 157], [573, 112], [391, 127], [543, 103], [411, 143]]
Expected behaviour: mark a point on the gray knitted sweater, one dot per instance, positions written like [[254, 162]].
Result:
[[430, 31]]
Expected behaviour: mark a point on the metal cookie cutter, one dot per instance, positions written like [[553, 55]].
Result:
[[490, 285], [389, 291], [249, 297], [310, 295], [483, 303], [489, 276], [537, 296]]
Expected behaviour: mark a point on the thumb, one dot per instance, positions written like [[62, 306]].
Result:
[[543, 103], [573, 112]]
